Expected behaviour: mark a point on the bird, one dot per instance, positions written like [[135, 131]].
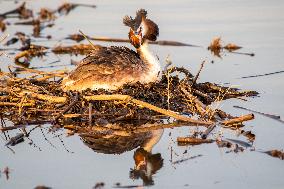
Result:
[[112, 67]]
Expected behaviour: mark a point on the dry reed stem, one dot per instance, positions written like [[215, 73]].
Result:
[[168, 87], [56, 74], [93, 46], [46, 78], [161, 42], [49, 98], [198, 73], [238, 120], [152, 127], [98, 129], [3, 129], [200, 107], [27, 53], [16, 104], [208, 131], [115, 129], [127, 98], [72, 115], [191, 140], [24, 97]]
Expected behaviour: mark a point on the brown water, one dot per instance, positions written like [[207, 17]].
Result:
[[256, 25]]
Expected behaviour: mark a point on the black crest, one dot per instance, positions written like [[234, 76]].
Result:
[[135, 23], [152, 30]]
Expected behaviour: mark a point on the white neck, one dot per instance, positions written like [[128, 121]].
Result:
[[150, 143], [151, 62]]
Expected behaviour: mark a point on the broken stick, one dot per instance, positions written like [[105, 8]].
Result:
[[127, 98]]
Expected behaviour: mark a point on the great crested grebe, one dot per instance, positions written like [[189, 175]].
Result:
[[111, 67]]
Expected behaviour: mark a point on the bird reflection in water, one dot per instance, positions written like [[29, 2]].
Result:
[[146, 163]]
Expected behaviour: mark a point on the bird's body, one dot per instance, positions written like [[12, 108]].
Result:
[[110, 68]]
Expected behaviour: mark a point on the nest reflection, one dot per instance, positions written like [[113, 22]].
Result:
[[146, 163]]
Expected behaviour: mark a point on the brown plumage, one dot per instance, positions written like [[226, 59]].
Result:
[[106, 66], [111, 67], [152, 30], [117, 144], [114, 144]]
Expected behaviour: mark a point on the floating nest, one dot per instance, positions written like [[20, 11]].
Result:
[[29, 96], [38, 98]]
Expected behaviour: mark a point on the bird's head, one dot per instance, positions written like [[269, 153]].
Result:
[[141, 28]]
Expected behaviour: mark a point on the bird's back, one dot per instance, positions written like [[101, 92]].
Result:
[[107, 68]]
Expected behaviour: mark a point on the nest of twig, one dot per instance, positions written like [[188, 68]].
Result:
[[38, 98]]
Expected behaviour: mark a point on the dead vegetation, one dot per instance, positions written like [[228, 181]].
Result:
[[217, 48], [40, 20], [33, 97], [29, 96], [38, 98], [28, 50], [276, 153], [2, 25]]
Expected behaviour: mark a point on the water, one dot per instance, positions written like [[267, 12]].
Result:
[[258, 26]]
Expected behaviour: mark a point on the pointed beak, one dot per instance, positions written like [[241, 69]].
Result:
[[135, 38]]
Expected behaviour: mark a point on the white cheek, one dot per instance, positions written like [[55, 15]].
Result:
[[144, 28]]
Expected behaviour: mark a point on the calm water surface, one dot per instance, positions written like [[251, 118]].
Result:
[[256, 25]]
